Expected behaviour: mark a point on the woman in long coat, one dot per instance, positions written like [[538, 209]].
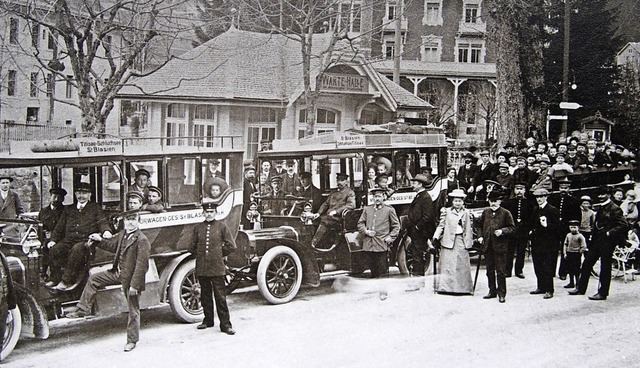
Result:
[[456, 238]]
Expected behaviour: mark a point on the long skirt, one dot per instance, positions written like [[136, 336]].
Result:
[[455, 269]]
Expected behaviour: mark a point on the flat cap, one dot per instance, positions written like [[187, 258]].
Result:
[[540, 193]]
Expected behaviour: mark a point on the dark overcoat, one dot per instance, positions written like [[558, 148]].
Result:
[[210, 242], [134, 257], [489, 222]]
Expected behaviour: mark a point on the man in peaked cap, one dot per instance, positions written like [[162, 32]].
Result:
[[275, 203], [330, 212], [521, 209], [379, 226], [211, 241], [568, 209], [609, 229], [132, 250], [141, 182]]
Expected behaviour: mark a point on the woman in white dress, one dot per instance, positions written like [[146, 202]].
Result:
[[455, 232]]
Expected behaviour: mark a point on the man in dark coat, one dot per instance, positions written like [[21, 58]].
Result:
[[330, 212], [275, 203], [520, 208], [10, 204], [308, 191], [467, 172], [486, 171], [421, 223], [494, 227], [249, 187], [210, 242], [67, 243], [130, 264], [545, 241], [608, 230], [568, 209], [49, 217]]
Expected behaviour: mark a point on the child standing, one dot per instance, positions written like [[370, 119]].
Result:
[[574, 245]]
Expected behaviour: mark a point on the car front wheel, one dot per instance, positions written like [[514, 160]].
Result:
[[184, 293], [279, 275]]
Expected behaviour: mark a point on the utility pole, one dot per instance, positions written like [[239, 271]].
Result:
[[565, 63], [397, 50]]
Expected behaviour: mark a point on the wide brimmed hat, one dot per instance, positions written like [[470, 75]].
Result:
[[458, 193]]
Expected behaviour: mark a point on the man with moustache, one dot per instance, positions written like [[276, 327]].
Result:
[[420, 223], [520, 208], [330, 212], [545, 242], [49, 216], [494, 226], [608, 230], [568, 209]]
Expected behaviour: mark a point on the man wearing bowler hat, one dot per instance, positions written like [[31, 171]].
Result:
[[211, 241], [420, 223], [330, 212], [10, 204], [609, 229], [545, 242], [49, 216], [130, 264], [67, 243]]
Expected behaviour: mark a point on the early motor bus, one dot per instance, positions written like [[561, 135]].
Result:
[[181, 168], [277, 249]]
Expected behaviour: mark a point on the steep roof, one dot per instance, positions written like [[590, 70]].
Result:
[[633, 45], [244, 65]]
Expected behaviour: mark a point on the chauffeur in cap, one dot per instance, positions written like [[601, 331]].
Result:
[[130, 264], [545, 241], [275, 203], [211, 241], [608, 230], [379, 226], [520, 208], [330, 212]]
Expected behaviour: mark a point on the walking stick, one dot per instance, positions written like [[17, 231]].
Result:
[[434, 253], [475, 281]]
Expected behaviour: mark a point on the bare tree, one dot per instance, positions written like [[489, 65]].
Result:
[[105, 43]]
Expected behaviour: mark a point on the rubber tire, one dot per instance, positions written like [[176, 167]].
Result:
[[185, 273], [13, 330], [263, 267], [401, 259]]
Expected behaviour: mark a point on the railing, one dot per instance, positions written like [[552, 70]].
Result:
[[30, 132]]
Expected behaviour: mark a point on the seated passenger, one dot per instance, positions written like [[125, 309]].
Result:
[[67, 245], [49, 217], [308, 191], [290, 180], [382, 182], [141, 183], [215, 189], [330, 212], [134, 200], [155, 204]]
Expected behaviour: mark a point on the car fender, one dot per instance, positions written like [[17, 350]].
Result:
[[34, 317], [167, 271]]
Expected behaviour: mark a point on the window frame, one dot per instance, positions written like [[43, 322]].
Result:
[[426, 20]]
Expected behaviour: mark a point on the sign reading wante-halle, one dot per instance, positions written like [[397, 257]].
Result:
[[342, 82]]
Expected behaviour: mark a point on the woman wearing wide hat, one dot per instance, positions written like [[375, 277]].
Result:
[[455, 233]]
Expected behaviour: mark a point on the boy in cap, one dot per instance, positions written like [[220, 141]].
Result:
[[132, 250], [211, 241], [154, 204], [572, 249], [141, 182], [330, 212], [379, 226], [134, 201]]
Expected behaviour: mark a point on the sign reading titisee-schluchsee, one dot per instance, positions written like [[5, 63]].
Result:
[[342, 82]]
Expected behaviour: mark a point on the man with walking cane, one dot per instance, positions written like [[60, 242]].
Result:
[[494, 226]]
